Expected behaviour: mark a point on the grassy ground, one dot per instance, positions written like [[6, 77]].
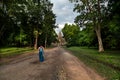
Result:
[[106, 64], [12, 51]]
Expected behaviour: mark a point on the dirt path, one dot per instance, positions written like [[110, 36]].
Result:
[[58, 65]]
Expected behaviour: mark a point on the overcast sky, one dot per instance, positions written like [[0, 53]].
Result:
[[64, 12]]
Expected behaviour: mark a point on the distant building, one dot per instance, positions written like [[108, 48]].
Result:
[[61, 40]]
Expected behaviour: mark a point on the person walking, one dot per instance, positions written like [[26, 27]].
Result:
[[41, 53]]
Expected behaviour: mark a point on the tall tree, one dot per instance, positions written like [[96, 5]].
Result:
[[49, 22], [113, 19], [91, 11], [25, 21]]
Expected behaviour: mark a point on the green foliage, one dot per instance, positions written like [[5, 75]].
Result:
[[91, 14], [20, 19], [108, 17], [87, 37], [111, 29], [76, 37], [70, 33]]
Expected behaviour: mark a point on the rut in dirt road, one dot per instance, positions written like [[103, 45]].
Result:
[[58, 65]]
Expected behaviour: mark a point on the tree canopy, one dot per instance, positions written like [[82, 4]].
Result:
[[71, 34], [26, 23], [99, 20]]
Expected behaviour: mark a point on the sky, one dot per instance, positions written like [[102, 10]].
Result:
[[64, 13]]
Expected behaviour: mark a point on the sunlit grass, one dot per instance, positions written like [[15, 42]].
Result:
[[12, 51]]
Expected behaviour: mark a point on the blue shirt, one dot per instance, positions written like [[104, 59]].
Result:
[[41, 49]]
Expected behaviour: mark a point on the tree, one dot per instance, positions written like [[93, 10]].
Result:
[[49, 23], [91, 11], [70, 33], [43, 20], [25, 21], [113, 19], [6, 22]]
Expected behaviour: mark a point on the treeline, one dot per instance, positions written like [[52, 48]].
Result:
[[26, 23], [99, 21]]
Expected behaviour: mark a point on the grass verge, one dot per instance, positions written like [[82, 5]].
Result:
[[100, 61], [13, 51]]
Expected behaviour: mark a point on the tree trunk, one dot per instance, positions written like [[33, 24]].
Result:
[[98, 33], [46, 42], [36, 41], [2, 31]]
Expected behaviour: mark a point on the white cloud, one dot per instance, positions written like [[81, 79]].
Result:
[[64, 12], [60, 1], [61, 26]]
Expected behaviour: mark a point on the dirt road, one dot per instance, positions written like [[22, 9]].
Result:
[[58, 65]]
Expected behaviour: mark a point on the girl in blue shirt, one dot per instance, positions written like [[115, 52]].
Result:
[[41, 53]]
